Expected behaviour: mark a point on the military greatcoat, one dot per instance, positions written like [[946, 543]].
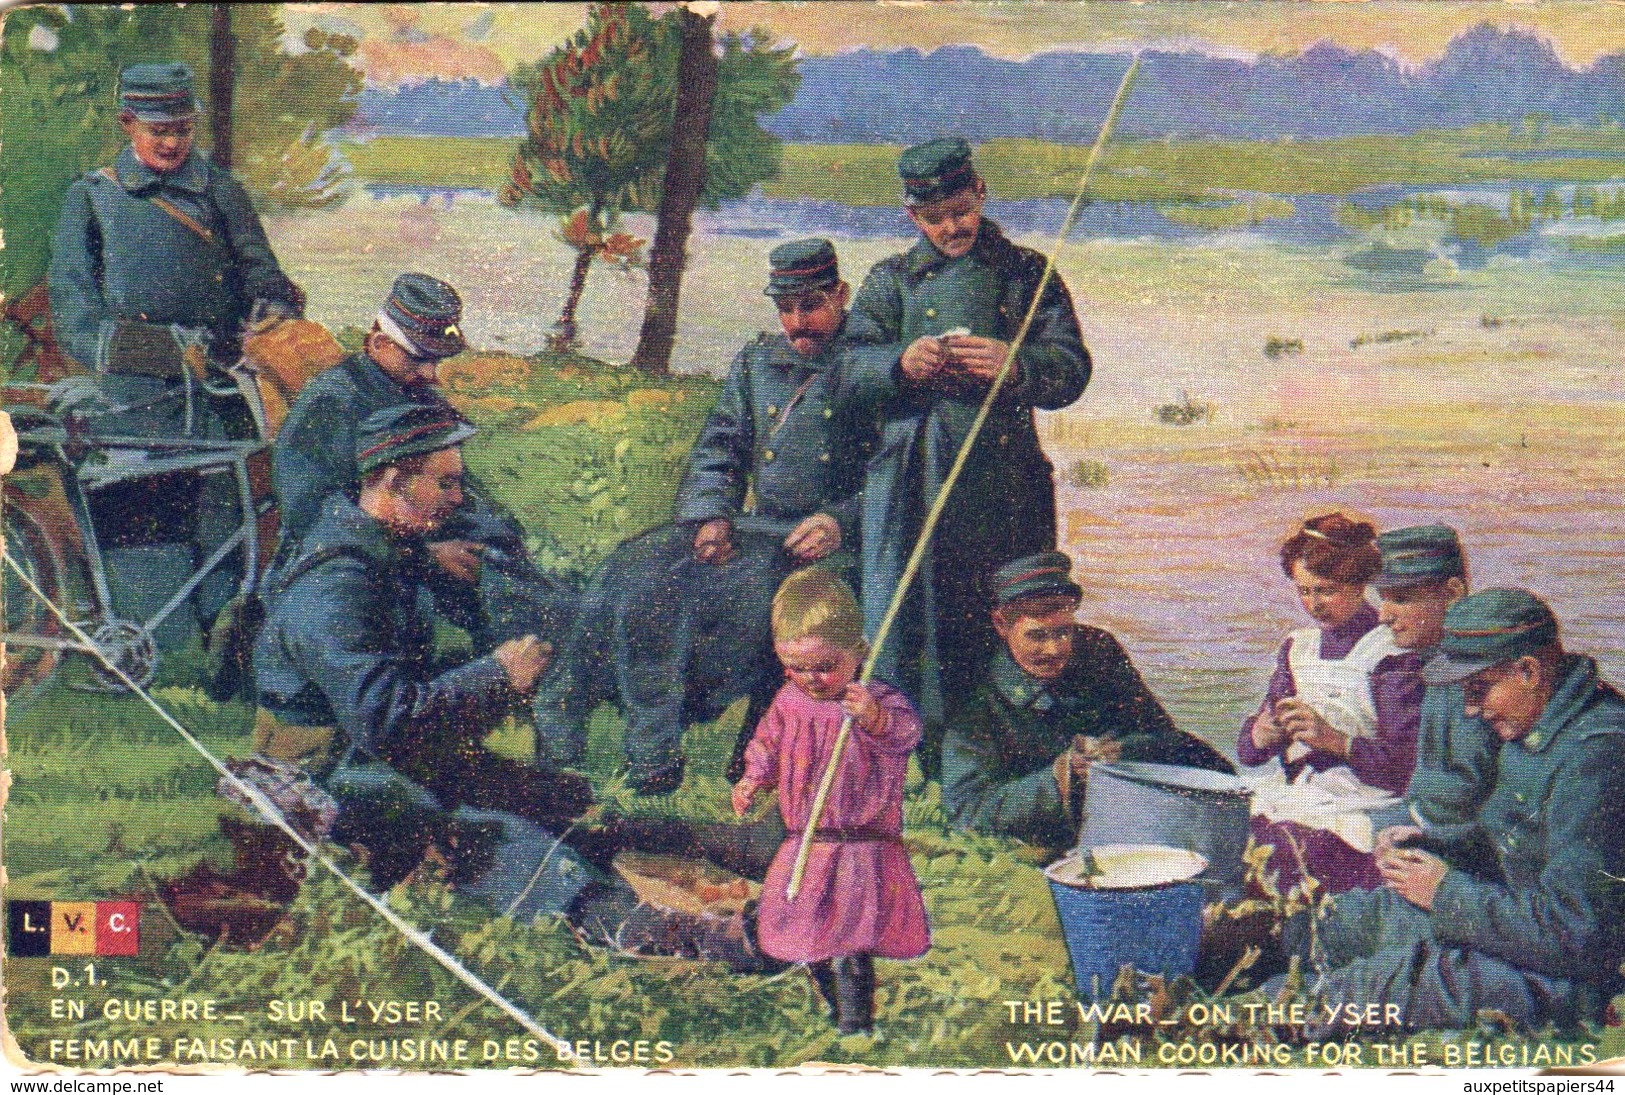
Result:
[[998, 757], [673, 640], [1530, 918], [1004, 504], [131, 283], [1455, 766], [118, 257], [314, 457]]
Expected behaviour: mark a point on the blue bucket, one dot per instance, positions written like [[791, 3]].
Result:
[[1141, 909]]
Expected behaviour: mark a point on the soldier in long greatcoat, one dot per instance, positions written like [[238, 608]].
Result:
[[940, 318]]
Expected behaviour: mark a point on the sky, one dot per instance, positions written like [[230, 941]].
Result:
[[407, 42]]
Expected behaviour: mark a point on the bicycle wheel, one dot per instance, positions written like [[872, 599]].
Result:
[[41, 558]]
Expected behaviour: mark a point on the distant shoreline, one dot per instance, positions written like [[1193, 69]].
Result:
[[1178, 171]]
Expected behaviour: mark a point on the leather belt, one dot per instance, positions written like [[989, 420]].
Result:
[[856, 835]]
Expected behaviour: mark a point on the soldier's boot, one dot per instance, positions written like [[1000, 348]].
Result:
[[823, 976], [855, 993], [663, 780], [760, 699], [600, 841]]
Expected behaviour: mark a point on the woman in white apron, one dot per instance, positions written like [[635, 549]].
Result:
[[1336, 733]]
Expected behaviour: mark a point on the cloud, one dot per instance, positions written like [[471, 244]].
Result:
[[397, 63], [408, 54]]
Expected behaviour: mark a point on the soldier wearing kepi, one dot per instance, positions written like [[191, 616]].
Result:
[[1059, 697], [1424, 572], [483, 579], [157, 264], [941, 317], [349, 692], [675, 624], [157, 253], [1523, 910]]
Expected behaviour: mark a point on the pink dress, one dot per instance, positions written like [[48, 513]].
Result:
[[859, 895]]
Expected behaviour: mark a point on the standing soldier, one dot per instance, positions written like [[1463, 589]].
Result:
[[157, 253], [158, 262], [942, 316]]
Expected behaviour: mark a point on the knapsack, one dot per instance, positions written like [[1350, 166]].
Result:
[[228, 648]]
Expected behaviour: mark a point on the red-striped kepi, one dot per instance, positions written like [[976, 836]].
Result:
[[157, 92], [1417, 555], [1490, 628], [1047, 574], [801, 265], [429, 313], [410, 429], [935, 170]]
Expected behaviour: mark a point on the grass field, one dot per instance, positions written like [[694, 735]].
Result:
[[105, 798], [1168, 170]]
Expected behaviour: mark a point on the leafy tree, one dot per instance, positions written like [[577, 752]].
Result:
[[599, 123], [595, 138], [59, 66]]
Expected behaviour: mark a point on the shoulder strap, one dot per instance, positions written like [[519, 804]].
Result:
[[784, 415], [315, 559], [191, 223]]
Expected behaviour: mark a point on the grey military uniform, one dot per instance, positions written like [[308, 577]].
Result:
[[673, 640], [1530, 918], [142, 264], [1003, 505], [315, 457]]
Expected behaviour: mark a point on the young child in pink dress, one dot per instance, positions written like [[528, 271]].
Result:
[[859, 899]]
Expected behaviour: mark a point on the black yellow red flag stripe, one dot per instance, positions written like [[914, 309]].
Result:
[[99, 929]]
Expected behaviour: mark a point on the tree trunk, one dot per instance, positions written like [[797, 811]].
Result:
[[680, 193], [564, 331], [222, 81]]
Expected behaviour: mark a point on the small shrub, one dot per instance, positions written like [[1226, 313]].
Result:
[[1395, 336], [1088, 474], [1186, 412], [1275, 346], [1286, 470]]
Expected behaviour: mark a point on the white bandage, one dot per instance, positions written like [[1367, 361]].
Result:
[[398, 336]]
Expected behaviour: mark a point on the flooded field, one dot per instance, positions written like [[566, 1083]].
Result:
[[1485, 395]]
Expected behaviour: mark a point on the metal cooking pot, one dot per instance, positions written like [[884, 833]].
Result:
[[1191, 808]]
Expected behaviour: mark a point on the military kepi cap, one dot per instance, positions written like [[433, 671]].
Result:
[[410, 429], [935, 170], [1421, 553], [1049, 573], [428, 312], [157, 93], [1490, 628], [800, 265]]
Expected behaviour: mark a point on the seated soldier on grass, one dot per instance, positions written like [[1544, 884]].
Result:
[[350, 691], [1060, 696], [1523, 910]]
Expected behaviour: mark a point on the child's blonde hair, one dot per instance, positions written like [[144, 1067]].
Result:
[[814, 603]]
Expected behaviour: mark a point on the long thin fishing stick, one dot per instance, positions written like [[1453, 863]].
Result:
[[939, 503], [414, 935]]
